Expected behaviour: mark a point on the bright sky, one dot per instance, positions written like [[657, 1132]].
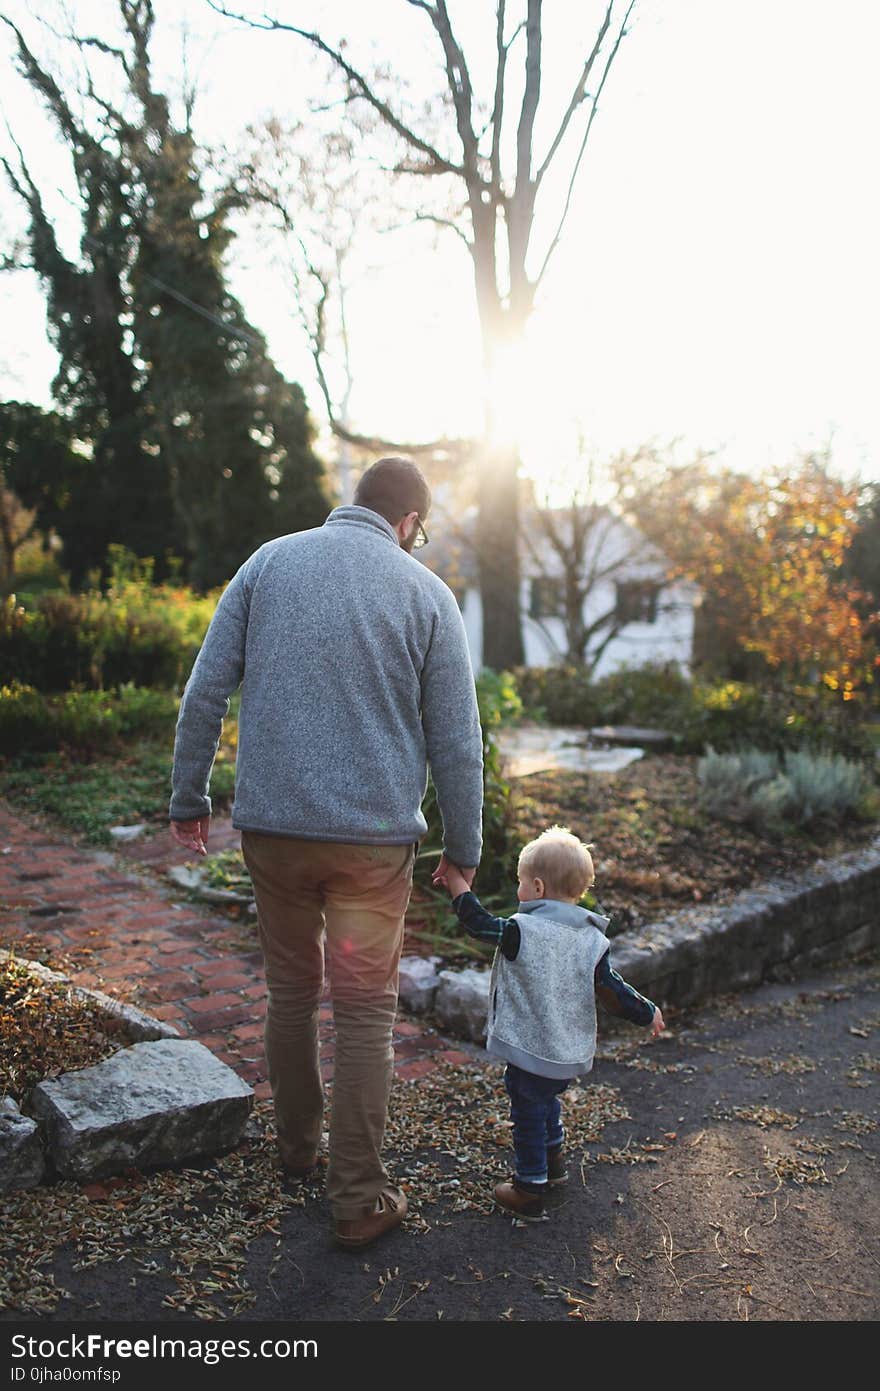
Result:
[[718, 282]]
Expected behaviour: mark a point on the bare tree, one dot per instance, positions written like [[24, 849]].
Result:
[[582, 555], [497, 202], [307, 189]]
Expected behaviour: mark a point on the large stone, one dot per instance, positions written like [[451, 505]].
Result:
[[462, 1002], [194, 881], [419, 982], [151, 1104], [22, 1163]]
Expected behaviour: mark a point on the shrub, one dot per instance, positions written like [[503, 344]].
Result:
[[498, 698], [824, 785], [135, 632], [24, 719], [84, 721], [652, 694], [769, 792], [498, 703], [723, 714], [561, 695]]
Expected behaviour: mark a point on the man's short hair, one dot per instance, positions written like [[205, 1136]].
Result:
[[561, 860], [394, 487]]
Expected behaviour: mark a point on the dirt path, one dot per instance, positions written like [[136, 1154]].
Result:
[[727, 1172]]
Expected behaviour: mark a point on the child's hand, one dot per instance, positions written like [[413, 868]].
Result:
[[452, 877], [657, 1025], [455, 881]]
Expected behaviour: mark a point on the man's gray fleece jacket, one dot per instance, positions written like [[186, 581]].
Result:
[[355, 675]]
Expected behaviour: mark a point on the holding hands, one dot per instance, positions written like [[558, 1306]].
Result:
[[456, 878]]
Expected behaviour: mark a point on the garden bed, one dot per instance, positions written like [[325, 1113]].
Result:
[[655, 850]]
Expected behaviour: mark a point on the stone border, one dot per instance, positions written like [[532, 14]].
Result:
[[90, 1123], [138, 1026], [832, 910]]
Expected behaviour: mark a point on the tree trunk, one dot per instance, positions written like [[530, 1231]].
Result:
[[497, 542]]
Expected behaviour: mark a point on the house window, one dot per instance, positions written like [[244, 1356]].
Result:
[[636, 602], [546, 598]]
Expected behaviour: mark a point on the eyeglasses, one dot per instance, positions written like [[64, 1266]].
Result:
[[421, 536]]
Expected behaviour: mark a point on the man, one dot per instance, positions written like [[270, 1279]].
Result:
[[355, 675]]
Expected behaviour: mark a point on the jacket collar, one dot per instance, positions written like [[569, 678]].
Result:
[[569, 913], [362, 517]]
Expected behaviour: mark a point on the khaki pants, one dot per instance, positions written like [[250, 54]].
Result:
[[357, 895]]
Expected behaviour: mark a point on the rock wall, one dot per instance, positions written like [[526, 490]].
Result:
[[830, 911]]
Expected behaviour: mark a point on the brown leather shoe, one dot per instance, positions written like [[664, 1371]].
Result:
[[355, 1232], [519, 1202]]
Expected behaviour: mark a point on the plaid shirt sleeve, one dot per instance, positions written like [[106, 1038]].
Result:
[[501, 932], [616, 997]]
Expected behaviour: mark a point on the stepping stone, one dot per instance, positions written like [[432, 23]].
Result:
[[633, 734], [122, 834], [156, 1103], [419, 982], [462, 1002], [528, 749], [22, 1163]]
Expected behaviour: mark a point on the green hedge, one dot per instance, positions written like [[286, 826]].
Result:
[[724, 714], [87, 721], [134, 633]]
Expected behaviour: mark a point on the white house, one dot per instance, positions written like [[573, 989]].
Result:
[[640, 617]]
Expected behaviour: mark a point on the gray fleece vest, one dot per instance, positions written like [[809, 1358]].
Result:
[[542, 1006]]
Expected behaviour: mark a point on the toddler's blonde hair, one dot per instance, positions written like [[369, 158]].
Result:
[[561, 860]]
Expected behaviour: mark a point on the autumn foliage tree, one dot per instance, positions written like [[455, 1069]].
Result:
[[769, 553]]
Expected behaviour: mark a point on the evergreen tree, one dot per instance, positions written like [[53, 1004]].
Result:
[[198, 445]]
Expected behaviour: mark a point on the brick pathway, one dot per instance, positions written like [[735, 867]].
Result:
[[129, 934]]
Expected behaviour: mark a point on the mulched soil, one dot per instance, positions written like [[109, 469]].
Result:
[[654, 849], [45, 1029]]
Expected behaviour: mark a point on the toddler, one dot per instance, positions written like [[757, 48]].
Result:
[[551, 966]]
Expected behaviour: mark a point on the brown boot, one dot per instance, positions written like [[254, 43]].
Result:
[[356, 1232], [557, 1169], [519, 1201]]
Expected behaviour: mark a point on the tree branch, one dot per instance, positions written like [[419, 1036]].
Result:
[[577, 98], [459, 80], [531, 96], [498, 105], [441, 165], [595, 627], [49, 89], [558, 234], [439, 221]]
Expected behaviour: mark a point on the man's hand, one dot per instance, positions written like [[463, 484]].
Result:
[[192, 835], [657, 1025], [461, 873]]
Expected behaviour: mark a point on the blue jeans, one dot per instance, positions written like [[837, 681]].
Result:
[[537, 1120]]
